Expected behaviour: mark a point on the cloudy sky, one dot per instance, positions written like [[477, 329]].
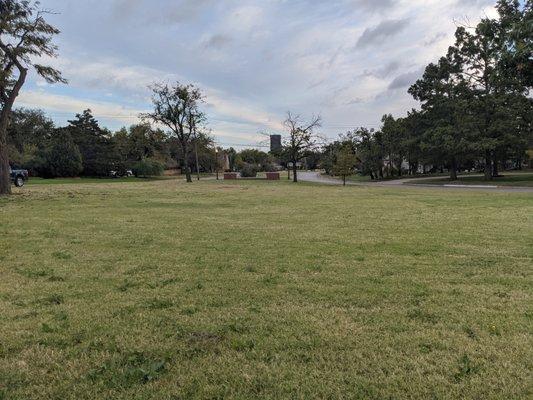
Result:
[[350, 61]]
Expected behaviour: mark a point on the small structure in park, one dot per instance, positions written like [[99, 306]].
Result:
[[230, 176], [272, 176]]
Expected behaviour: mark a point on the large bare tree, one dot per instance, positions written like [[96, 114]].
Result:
[[177, 107], [25, 37], [300, 140]]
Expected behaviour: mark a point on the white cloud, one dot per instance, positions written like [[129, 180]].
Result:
[[255, 59], [68, 105]]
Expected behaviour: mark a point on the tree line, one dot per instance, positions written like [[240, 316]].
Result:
[[84, 148], [476, 109], [476, 112]]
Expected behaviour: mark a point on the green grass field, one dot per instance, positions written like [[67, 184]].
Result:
[[70, 181], [507, 179], [264, 290]]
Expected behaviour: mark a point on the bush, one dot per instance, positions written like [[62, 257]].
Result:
[[61, 159], [249, 170], [269, 167], [147, 167]]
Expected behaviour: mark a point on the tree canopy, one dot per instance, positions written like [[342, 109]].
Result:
[[25, 37]]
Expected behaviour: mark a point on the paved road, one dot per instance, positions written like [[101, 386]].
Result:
[[317, 177]]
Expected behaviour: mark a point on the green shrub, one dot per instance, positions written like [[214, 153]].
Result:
[[62, 159], [269, 167], [147, 167], [249, 170]]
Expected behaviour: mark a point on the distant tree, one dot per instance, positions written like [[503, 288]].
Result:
[[414, 128], [60, 159], [392, 134], [25, 36], [451, 135], [28, 127], [249, 170], [28, 131], [312, 159], [259, 159], [301, 139], [370, 151], [139, 142], [97, 149], [345, 164], [147, 167], [177, 107], [516, 41], [328, 156], [496, 65], [206, 152]]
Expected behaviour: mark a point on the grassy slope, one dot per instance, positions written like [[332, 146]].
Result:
[[264, 290]]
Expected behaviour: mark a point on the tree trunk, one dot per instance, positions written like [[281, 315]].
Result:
[[488, 166], [344, 180], [495, 167], [294, 173], [453, 170], [187, 172], [185, 163], [5, 180], [197, 162]]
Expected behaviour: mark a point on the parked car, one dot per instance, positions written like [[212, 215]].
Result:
[[125, 174], [18, 176]]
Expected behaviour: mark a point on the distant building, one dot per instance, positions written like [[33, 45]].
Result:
[[275, 142]]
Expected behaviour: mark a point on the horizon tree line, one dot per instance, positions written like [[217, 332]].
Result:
[[476, 109], [475, 100]]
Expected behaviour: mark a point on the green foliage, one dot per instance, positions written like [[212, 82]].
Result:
[[253, 159], [254, 156], [139, 142], [25, 37], [62, 159], [249, 170], [345, 163], [96, 147], [147, 167], [28, 128], [177, 107]]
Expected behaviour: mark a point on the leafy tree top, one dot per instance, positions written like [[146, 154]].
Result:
[[25, 37]]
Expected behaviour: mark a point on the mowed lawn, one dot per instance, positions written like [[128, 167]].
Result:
[[264, 290], [507, 179]]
